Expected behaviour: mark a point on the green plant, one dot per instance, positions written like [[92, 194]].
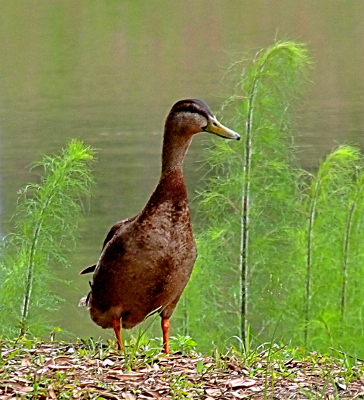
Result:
[[280, 64], [138, 350], [325, 304], [202, 368], [352, 237], [250, 207], [184, 344], [47, 217], [280, 249], [180, 387], [330, 185]]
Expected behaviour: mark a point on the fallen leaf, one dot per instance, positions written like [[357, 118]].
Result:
[[241, 382], [20, 387], [63, 360], [51, 392], [107, 362], [153, 393], [240, 395], [59, 367], [340, 383], [115, 374], [213, 392], [25, 362], [130, 396]]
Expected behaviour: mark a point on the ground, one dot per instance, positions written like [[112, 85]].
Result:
[[87, 370]]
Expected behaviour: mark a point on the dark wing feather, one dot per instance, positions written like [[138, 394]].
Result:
[[109, 236]]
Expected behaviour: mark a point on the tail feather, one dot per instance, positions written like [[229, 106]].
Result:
[[88, 269], [84, 301]]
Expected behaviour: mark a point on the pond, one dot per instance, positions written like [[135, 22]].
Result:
[[108, 72]]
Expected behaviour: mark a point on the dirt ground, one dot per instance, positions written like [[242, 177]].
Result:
[[36, 370]]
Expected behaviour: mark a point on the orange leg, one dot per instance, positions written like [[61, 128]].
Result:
[[165, 330], [117, 330]]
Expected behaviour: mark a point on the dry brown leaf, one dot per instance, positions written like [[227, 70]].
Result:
[[48, 362], [51, 393], [144, 369], [130, 396], [59, 367], [213, 392], [124, 377], [241, 382], [109, 395], [20, 387], [26, 362], [153, 393], [87, 382], [241, 395], [156, 367], [63, 360], [108, 363]]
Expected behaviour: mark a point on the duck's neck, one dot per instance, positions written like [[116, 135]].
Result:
[[175, 147], [171, 186]]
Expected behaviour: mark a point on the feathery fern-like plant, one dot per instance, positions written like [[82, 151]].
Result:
[[280, 249], [328, 195], [270, 88], [352, 254], [245, 245], [47, 216]]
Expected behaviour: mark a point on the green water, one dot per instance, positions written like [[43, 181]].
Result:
[[108, 72]]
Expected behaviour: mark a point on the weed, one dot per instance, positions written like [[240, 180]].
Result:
[[181, 388], [185, 344], [280, 249], [250, 208], [47, 216]]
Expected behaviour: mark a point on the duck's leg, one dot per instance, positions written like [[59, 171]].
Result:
[[117, 329], [165, 330]]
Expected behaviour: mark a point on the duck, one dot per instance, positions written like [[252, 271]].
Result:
[[146, 261]]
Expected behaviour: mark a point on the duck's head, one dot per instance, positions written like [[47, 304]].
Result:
[[193, 116]]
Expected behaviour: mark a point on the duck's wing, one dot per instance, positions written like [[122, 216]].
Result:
[[113, 230], [109, 236]]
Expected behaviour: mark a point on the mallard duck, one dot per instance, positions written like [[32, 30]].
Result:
[[147, 260]]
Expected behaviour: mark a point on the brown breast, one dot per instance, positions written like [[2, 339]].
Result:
[[147, 263]]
